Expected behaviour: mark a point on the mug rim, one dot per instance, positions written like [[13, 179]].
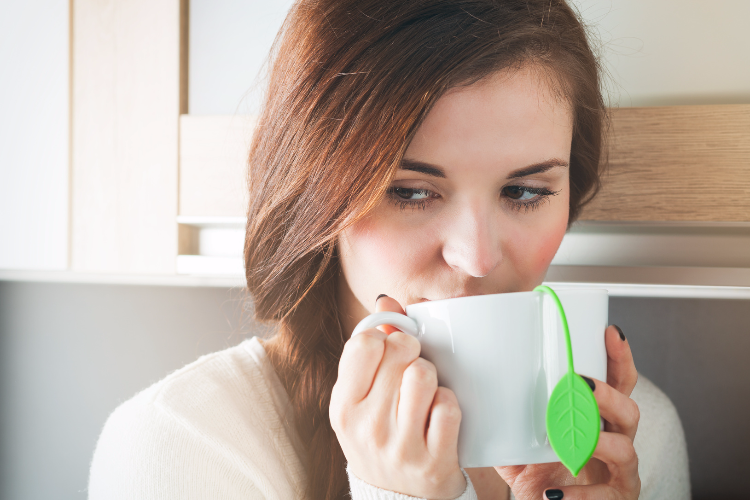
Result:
[[592, 290]]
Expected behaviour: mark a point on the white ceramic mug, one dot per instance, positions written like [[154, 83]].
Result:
[[502, 356]]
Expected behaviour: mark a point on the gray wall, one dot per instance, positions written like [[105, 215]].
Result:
[[697, 352], [70, 353]]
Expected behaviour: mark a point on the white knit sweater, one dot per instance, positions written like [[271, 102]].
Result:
[[222, 427]]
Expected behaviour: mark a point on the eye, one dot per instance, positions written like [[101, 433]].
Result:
[[404, 197], [520, 193], [410, 194], [526, 198]]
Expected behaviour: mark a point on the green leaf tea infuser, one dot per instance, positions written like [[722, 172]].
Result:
[[572, 411]]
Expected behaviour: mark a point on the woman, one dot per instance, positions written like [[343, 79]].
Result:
[[407, 151]]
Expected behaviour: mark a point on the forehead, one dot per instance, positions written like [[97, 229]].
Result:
[[507, 120]]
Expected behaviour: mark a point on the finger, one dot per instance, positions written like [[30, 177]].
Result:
[[359, 362], [618, 453], [620, 412], [445, 419], [401, 350], [621, 372], [386, 303], [361, 357], [593, 492], [418, 388]]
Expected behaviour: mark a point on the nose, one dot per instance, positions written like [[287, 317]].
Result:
[[472, 243]]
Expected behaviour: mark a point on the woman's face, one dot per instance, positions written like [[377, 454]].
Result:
[[479, 206]]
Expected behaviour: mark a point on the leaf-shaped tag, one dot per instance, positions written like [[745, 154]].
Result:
[[572, 411], [573, 422]]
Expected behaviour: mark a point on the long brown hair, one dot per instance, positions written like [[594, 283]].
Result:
[[350, 81]]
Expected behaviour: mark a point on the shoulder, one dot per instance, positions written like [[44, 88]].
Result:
[[660, 444], [220, 426]]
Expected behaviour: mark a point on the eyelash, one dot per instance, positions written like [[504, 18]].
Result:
[[543, 194]]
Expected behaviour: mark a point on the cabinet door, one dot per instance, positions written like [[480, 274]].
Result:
[[128, 92]]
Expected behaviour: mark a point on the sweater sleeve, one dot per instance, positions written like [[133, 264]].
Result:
[[660, 445], [361, 490]]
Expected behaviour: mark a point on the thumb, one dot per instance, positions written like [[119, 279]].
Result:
[[385, 303]]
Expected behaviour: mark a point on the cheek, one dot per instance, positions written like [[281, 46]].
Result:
[[545, 247], [374, 246], [551, 234], [534, 244], [380, 254]]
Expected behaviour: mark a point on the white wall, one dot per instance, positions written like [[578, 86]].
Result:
[[229, 42], [34, 134], [658, 52], [673, 52]]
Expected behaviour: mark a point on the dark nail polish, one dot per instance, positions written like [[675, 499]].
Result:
[[384, 295], [591, 384], [554, 494], [622, 335]]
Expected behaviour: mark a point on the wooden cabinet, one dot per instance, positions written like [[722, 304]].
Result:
[[677, 163], [128, 92], [156, 191]]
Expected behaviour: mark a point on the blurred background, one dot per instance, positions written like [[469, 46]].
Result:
[[123, 131]]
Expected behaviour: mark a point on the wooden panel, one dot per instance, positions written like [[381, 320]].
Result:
[[679, 163], [213, 158], [126, 105]]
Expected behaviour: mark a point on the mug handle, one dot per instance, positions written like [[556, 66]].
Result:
[[397, 320]]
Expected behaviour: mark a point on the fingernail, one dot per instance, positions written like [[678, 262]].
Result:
[[554, 494], [384, 295], [622, 335], [593, 388]]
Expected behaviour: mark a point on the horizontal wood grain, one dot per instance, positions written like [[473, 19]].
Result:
[[677, 163]]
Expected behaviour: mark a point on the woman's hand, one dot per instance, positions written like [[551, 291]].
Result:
[[612, 472], [397, 428]]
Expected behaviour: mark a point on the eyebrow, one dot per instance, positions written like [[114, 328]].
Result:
[[436, 171]]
